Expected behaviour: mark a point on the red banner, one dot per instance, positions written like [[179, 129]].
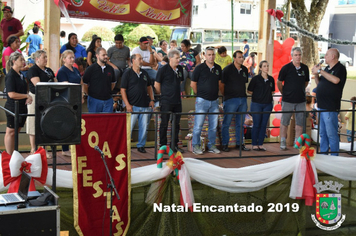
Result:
[[167, 12], [91, 196]]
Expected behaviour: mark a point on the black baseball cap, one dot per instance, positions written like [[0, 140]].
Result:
[[7, 8], [143, 40], [149, 37]]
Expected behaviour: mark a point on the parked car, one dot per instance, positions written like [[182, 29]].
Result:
[[345, 60]]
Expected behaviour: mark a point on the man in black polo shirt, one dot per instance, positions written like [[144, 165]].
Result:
[[329, 92], [233, 88], [136, 91], [295, 76], [167, 83], [99, 80], [205, 84]]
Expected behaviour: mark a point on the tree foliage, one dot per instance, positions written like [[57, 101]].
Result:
[[135, 35], [104, 33], [163, 32], [125, 29], [310, 21]]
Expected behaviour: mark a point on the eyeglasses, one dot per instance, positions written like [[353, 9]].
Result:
[[49, 74], [300, 73]]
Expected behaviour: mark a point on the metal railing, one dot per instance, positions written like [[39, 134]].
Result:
[[173, 122]]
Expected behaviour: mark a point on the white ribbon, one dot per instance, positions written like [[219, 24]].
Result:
[[17, 160]]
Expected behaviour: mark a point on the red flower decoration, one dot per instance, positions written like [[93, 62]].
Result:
[[25, 166]]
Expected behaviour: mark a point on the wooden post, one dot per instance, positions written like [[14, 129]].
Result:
[[265, 50], [51, 36]]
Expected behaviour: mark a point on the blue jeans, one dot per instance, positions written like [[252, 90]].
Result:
[[97, 105], [142, 123], [349, 132], [202, 106], [328, 129], [259, 122], [186, 75], [151, 73], [233, 105]]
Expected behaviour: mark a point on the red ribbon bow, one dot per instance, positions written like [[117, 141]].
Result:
[[307, 152], [14, 181], [177, 162], [275, 13]]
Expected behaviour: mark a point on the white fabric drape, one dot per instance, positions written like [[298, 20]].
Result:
[[235, 180]]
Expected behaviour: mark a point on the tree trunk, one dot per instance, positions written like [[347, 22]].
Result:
[[309, 21]]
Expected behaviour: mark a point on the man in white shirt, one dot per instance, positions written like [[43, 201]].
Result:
[[147, 55]]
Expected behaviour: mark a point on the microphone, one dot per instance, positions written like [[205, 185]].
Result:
[[321, 62], [99, 150]]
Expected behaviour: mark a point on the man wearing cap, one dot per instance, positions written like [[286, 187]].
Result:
[[156, 56], [147, 55], [38, 24], [246, 48], [150, 42], [10, 26]]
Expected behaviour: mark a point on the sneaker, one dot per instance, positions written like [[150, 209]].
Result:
[[197, 150], [225, 148], [283, 145], [243, 147], [176, 149], [213, 149]]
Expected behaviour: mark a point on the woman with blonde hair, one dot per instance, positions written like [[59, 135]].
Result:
[[16, 87], [68, 73], [37, 73]]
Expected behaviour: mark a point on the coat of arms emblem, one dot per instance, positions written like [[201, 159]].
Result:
[[328, 206]]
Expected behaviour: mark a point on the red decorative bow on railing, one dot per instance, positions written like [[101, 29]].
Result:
[[12, 166], [275, 13], [307, 173]]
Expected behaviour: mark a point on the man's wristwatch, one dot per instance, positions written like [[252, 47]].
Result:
[[319, 71], [152, 53]]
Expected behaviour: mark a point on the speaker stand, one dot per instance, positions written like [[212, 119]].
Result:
[[54, 166]]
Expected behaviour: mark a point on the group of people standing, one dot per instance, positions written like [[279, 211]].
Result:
[[139, 77], [209, 79], [292, 81]]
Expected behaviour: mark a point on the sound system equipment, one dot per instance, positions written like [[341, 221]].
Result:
[[31, 220], [58, 112]]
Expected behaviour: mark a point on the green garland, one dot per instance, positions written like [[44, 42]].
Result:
[[316, 37]]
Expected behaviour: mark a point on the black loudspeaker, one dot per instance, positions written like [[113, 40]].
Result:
[[58, 113]]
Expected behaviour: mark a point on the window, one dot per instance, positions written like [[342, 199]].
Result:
[[179, 34], [250, 36], [212, 36], [245, 8], [195, 10], [226, 36], [196, 37]]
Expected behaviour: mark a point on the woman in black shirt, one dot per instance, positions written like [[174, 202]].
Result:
[[37, 73], [95, 44], [16, 87], [261, 87]]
